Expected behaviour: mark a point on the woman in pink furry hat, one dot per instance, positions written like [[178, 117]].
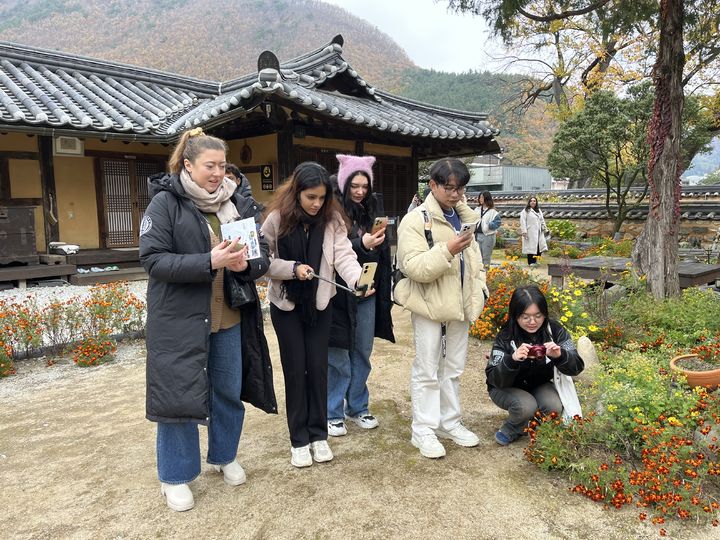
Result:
[[356, 322]]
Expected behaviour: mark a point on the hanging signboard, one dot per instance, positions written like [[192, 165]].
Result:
[[266, 178]]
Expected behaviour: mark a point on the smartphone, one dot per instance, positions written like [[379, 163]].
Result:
[[466, 228], [367, 276], [379, 223]]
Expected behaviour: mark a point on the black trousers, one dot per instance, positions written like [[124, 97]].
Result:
[[304, 358]]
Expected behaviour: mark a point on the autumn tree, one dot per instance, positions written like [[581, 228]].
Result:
[[606, 143], [655, 251]]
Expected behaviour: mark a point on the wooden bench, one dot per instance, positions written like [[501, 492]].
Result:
[[105, 257], [691, 273], [22, 274]]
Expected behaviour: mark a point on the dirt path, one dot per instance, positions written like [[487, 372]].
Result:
[[77, 460]]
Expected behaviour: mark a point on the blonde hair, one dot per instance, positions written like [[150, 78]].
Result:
[[190, 146]]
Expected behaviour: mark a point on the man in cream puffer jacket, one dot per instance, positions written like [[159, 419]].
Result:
[[445, 290]]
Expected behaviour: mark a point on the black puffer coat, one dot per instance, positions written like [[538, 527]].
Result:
[[344, 305], [175, 252], [504, 372]]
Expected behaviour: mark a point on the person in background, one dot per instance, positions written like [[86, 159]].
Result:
[[417, 200], [532, 231], [307, 237], [518, 380], [445, 291], [233, 173], [356, 322], [201, 361], [487, 227]]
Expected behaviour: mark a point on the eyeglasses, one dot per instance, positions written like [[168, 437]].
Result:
[[527, 318], [456, 189]]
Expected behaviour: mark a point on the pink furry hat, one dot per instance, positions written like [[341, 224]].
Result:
[[352, 164]]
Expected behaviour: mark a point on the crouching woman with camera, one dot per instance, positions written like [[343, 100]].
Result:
[[520, 370]]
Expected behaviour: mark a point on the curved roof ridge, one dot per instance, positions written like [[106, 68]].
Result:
[[48, 57], [422, 105], [307, 62]]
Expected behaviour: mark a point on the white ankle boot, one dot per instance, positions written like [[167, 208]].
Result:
[[178, 496]]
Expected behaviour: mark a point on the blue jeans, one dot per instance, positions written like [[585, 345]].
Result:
[[522, 406], [178, 443], [348, 371]]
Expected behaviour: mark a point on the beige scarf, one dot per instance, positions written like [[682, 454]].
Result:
[[217, 203]]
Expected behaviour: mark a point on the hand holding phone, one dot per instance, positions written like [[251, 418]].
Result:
[[379, 224], [468, 228], [367, 277]]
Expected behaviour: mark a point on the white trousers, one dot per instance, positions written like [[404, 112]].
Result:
[[435, 380]]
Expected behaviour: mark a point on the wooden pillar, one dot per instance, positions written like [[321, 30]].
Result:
[[4, 179], [285, 153], [414, 168], [49, 194], [359, 148]]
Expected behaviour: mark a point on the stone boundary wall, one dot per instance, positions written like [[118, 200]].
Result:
[[703, 231]]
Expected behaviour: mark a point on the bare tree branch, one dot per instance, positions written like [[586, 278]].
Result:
[[563, 14]]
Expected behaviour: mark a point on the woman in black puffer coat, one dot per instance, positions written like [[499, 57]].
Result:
[[356, 322], [206, 350]]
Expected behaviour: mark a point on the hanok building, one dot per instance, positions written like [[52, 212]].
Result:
[[79, 136]]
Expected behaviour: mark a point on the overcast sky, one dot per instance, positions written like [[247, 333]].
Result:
[[432, 37]]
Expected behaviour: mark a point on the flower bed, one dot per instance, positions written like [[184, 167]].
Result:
[[30, 329]]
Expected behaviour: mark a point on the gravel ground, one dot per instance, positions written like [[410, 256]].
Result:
[[77, 460], [44, 295]]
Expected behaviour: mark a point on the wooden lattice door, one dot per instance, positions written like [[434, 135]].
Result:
[[124, 198]]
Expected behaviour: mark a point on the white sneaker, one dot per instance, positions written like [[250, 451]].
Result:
[[177, 496], [365, 421], [233, 473], [321, 451], [428, 445], [301, 456], [459, 435], [336, 428]]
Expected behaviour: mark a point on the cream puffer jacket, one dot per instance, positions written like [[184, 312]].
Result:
[[432, 288]]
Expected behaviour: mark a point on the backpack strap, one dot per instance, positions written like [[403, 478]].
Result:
[[428, 226]]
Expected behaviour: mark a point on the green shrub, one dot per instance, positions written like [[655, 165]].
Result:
[[610, 248], [563, 229], [677, 321]]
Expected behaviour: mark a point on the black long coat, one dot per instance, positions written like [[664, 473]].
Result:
[[344, 306], [175, 252]]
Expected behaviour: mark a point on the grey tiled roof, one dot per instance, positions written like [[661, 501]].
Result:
[[688, 192], [691, 211], [41, 88]]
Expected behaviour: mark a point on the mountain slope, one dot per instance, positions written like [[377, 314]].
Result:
[[221, 40], [209, 39]]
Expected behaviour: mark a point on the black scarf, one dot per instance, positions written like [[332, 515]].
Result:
[[306, 248]]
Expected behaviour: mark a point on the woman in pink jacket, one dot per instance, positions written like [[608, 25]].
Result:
[[307, 237]]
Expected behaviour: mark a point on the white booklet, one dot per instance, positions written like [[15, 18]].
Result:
[[246, 230]]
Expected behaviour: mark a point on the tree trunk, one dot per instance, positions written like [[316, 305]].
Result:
[[655, 251]]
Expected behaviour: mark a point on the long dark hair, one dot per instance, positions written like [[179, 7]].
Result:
[[487, 199], [307, 175], [521, 299], [364, 212], [537, 203]]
